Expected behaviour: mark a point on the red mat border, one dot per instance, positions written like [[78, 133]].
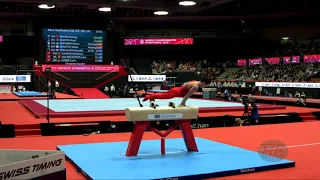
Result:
[[40, 110], [36, 108]]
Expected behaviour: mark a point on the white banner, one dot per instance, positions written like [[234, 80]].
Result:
[[24, 166], [288, 84], [15, 78], [146, 78], [209, 89], [228, 84]]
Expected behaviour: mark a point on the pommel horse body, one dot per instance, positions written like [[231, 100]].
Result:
[[141, 116]]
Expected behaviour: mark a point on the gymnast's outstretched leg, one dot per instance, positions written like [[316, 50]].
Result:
[[172, 93], [185, 91]]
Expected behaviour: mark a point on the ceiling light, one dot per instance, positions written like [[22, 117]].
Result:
[[187, 3], [105, 9], [161, 13], [46, 6]]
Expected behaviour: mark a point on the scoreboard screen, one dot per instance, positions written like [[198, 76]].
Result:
[[74, 45]]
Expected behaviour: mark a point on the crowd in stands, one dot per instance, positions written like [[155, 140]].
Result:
[[282, 72], [161, 67], [297, 49], [199, 67], [300, 72], [278, 73]]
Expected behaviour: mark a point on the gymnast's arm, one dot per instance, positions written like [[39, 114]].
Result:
[[190, 93]]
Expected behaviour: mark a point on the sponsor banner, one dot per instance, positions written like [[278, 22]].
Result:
[[255, 61], [24, 166], [199, 126], [291, 60], [158, 41], [242, 62], [165, 116], [312, 58], [288, 84], [81, 68], [229, 84], [15, 78], [247, 170], [147, 78], [273, 60]]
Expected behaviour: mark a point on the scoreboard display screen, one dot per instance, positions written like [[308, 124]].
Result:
[[74, 45]]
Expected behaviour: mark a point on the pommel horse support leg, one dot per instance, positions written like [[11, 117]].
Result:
[[141, 116]]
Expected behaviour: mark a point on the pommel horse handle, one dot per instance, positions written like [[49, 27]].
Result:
[[141, 116]]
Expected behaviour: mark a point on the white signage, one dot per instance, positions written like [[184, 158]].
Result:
[[146, 78], [25, 167], [288, 84], [209, 89], [165, 116], [15, 78]]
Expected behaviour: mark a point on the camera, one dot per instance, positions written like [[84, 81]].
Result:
[[246, 101]]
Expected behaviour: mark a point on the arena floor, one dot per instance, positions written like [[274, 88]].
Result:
[[302, 140], [23, 116]]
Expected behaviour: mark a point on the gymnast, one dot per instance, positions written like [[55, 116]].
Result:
[[185, 91]]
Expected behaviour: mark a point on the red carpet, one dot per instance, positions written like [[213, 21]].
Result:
[[90, 93]]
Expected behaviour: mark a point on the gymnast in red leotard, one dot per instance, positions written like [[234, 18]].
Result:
[[185, 91]]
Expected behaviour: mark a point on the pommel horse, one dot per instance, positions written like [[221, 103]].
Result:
[[141, 116]]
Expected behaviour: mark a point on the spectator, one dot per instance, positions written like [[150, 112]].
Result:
[[240, 98], [106, 90], [57, 85], [253, 89], [245, 102], [112, 90], [260, 90], [278, 93], [226, 94], [286, 94], [219, 86], [49, 87], [254, 111], [297, 95]]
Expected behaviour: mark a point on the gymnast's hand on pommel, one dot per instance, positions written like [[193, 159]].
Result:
[[188, 95], [182, 105]]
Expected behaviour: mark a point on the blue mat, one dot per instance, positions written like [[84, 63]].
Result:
[[107, 160], [122, 103], [29, 94]]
